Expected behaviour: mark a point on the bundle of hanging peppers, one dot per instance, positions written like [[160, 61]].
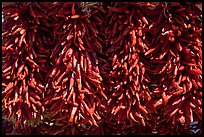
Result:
[[94, 68]]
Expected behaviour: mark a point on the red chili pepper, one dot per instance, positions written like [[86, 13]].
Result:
[[54, 71], [78, 77], [194, 83], [75, 59], [70, 94], [199, 112], [4, 33], [21, 39], [75, 16], [165, 98], [74, 109], [9, 42], [80, 46], [60, 77], [181, 68], [149, 51], [179, 92], [59, 60], [7, 91], [5, 70], [178, 45], [103, 94], [95, 82], [20, 68], [69, 36], [98, 46], [16, 31], [34, 108], [57, 98], [33, 63], [184, 88], [132, 117], [195, 71], [175, 71], [199, 102], [33, 100], [180, 21], [158, 103], [33, 94], [188, 113], [73, 10]]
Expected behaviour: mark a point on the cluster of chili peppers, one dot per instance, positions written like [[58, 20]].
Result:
[[179, 79], [107, 68]]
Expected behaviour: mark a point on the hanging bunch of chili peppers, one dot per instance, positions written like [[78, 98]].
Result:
[[74, 90], [129, 99], [24, 55], [179, 60], [96, 68]]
